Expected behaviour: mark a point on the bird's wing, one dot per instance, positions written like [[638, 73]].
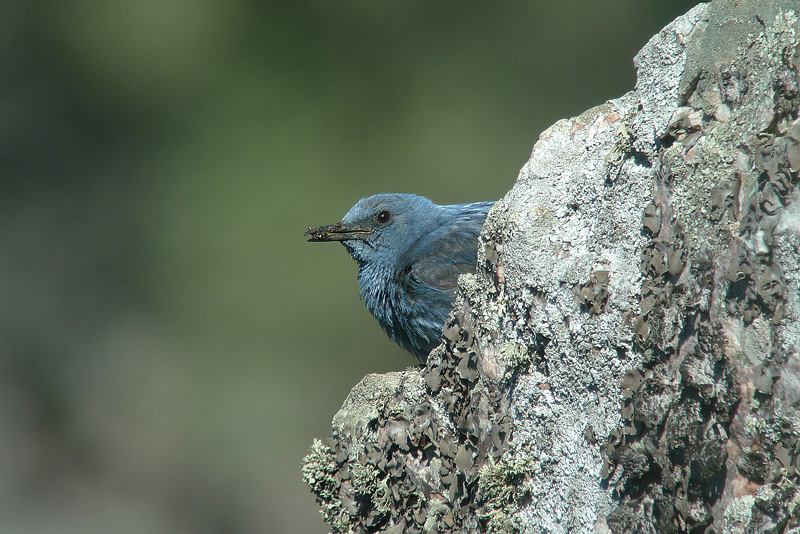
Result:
[[431, 266]]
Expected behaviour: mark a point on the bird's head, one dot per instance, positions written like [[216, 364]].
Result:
[[381, 227]]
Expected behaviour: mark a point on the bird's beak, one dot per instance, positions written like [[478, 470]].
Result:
[[338, 232]]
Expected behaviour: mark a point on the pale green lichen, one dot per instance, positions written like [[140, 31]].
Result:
[[764, 429], [437, 510], [738, 515], [364, 478], [502, 487], [780, 492], [382, 498], [514, 354], [319, 472], [623, 145]]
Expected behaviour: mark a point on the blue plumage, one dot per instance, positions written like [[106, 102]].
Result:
[[410, 253]]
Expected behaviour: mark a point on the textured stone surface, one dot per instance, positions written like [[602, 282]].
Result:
[[626, 357]]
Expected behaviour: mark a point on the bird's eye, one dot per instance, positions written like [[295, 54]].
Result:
[[383, 217]]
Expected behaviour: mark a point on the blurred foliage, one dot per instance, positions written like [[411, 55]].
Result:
[[170, 343]]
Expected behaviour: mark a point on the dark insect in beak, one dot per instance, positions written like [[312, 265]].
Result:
[[337, 232]]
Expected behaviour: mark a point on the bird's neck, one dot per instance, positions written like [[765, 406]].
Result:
[[378, 291]]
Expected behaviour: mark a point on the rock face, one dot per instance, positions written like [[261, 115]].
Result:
[[627, 357]]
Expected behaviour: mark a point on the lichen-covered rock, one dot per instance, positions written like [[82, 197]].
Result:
[[627, 357]]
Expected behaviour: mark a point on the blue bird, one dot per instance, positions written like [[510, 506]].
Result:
[[410, 252]]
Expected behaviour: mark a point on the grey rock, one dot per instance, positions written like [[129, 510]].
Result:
[[626, 357]]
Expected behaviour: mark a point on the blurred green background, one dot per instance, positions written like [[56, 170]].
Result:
[[169, 342]]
